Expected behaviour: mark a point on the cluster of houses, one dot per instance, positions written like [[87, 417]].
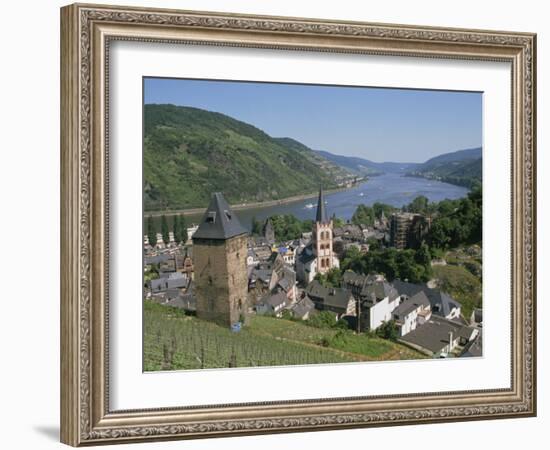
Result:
[[281, 281]]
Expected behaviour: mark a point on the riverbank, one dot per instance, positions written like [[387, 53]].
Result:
[[391, 189], [466, 182], [252, 205]]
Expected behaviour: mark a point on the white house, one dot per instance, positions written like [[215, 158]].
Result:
[[190, 232], [306, 265], [377, 298], [412, 312], [379, 302]]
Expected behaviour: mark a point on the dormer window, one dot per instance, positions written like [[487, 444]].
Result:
[[227, 214], [211, 217]]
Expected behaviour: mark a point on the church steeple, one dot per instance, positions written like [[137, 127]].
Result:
[[321, 210], [322, 236]]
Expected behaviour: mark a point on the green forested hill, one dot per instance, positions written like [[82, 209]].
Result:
[[190, 153], [463, 168]]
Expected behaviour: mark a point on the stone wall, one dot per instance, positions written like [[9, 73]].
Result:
[[221, 280]]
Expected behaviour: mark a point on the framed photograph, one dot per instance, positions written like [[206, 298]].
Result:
[[275, 224]]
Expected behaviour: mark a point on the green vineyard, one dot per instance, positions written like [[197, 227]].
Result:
[[173, 340]]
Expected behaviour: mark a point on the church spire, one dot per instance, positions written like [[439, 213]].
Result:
[[321, 210]]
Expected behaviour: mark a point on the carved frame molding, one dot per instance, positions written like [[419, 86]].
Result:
[[86, 31]]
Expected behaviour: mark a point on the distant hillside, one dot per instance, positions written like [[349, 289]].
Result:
[[336, 170], [364, 166], [190, 153], [463, 167]]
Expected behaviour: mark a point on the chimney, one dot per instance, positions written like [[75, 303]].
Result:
[[450, 340]]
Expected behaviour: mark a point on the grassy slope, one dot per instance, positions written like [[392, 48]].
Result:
[[190, 153], [461, 285], [267, 341]]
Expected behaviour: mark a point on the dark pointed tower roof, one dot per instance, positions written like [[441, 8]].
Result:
[[321, 210], [219, 221]]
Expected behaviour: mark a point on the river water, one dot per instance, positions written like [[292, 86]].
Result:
[[392, 188]]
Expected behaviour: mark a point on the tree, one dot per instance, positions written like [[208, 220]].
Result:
[[164, 229], [332, 278], [423, 255], [287, 227], [440, 233], [151, 231], [363, 215], [337, 222], [176, 228], [256, 226], [418, 205], [380, 208], [374, 244], [392, 263], [353, 260], [388, 330], [180, 229]]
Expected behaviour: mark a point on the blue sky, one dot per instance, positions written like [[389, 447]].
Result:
[[403, 125]]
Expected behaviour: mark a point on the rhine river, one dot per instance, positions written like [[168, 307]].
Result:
[[393, 189]]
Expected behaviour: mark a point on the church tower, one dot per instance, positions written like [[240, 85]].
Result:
[[219, 257], [268, 231], [322, 237]]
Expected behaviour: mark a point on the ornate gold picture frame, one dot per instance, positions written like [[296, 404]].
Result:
[[87, 32]]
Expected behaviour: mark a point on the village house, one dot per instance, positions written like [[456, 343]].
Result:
[[186, 301], [288, 254], [376, 297], [412, 312], [303, 308], [442, 304], [184, 263], [440, 337], [272, 304], [349, 232], [260, 247], [377, 302], [272, 276], [306, 265], [156, 259], [287, 284], [190, 232], [160, 242], [340, 301], [252, 258], [474, 348], [169, 281]]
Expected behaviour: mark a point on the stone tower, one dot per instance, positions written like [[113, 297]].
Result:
[[269, 232], [219, 257], [322, 237]]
